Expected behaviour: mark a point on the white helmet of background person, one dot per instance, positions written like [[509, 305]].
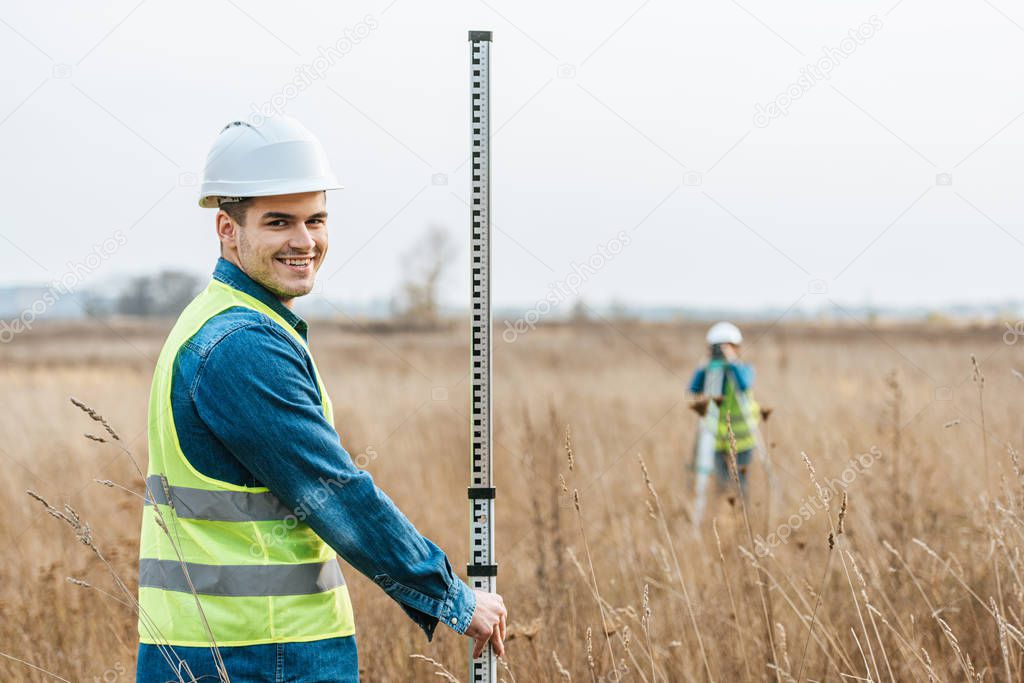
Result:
[[724, 333], [280, 156]]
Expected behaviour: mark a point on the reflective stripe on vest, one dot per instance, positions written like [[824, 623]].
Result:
[[259, 573], [238, 580], [217, 506]]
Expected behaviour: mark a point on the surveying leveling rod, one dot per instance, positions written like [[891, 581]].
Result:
[[482, 570]]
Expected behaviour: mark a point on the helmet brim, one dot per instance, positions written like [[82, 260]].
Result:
[[213, 192]]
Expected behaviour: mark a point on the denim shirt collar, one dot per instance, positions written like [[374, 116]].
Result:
[[230, 274]]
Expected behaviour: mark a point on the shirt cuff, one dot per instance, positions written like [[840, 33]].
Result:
[[459, 606]]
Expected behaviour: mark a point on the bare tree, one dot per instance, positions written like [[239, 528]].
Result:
[[163, 294], [580, 312], [423, 269]]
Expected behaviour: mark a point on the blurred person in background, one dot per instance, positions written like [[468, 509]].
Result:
[[723, 397]]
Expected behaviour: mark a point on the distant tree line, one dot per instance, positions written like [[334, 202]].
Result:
[[416, 303], [162, 294]]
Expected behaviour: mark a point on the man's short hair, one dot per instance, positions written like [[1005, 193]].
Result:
[[236, 208]]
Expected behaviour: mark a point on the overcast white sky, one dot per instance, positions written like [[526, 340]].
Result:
[[607, 116]]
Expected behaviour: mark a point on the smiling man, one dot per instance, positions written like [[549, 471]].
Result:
[[251, 497]]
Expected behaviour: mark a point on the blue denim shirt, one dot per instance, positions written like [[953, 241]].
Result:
[[247, 409], [741, 372]]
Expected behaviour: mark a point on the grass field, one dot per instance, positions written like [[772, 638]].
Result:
[[925, 583]]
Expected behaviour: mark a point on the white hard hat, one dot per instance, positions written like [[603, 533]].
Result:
[[280, 156], [724, 333]]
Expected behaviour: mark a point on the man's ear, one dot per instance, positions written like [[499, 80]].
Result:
[[227, 230]]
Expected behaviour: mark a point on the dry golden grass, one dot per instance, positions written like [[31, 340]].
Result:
[[922, 579]]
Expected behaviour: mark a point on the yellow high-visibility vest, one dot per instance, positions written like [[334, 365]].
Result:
[[739, 408], [744, 419], [260, 574]]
